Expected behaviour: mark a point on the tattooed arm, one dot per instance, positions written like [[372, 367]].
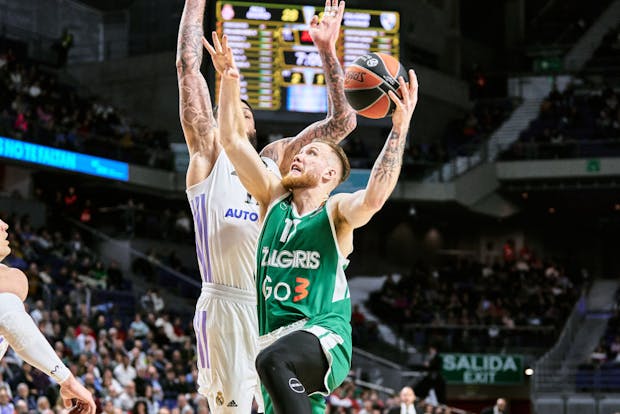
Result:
[[341, 118], [351, 211], [195, 111]]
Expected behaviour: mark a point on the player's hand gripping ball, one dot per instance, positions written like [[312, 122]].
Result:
[[367, 82]]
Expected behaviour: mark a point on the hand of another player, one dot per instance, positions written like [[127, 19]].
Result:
[[71, 389], [405, 105], [325, 32], [222, 56]]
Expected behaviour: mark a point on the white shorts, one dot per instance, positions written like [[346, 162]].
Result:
[[226, 326]]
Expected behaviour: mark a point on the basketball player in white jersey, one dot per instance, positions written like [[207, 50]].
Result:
[[18, 330], [226, 217]]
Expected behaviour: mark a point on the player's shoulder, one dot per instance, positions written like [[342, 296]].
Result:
[[13, 280]]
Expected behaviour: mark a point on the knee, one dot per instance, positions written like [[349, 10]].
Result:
[[267, 362]]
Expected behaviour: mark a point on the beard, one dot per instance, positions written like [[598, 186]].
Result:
[[301, 181], [252, 137]]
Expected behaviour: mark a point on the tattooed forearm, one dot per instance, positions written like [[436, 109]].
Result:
[[334, 77], [387, 167], [341, 118], [195, 101], [271, 152], [196, 113], [189, 44], [189, 49]]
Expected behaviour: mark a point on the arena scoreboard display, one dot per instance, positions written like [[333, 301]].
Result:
[[280, 66]]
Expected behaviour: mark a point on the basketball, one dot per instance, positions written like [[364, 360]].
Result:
[[367, 82]]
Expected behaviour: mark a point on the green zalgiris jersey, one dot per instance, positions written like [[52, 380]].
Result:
[[300, 272]]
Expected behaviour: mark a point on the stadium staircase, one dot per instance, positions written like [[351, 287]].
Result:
[[502, 138], [585, 47], [509, 131], [554, 381], [179, 291]]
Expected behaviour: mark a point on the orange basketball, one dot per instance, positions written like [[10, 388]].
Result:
[[367, 82]]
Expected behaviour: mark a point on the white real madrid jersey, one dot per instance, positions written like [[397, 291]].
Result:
[[226, 226]]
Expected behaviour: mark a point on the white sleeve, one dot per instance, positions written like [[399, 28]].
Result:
[[26, 339]]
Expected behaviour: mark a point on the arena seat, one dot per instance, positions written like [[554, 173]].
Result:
[[549, 405], [609, 405], [580, 404]]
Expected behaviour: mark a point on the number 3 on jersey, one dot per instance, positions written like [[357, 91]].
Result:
[[282, 290]]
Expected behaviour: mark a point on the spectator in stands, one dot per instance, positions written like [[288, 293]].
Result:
[[433, 384], [341, 400], [151, 301], [23, 393], [6, 406], [614, 349], [498, 408], [128, 398], [140, 328], [125, 372], [43, 406], [62, 46], [407, 403]]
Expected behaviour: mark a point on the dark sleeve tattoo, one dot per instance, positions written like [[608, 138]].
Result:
[[189, 43], [271, 152], [340, 120], [195, 101], [387, 167]]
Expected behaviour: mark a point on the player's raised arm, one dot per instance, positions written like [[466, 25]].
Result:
[[195, 107], [26, 339], [340, 119], [254, 175], [356, 209]]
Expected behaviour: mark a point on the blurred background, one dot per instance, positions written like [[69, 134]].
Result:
[[491, 273]]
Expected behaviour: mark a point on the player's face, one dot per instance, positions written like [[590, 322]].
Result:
[[5, 250], [250, 127], [311, 165]]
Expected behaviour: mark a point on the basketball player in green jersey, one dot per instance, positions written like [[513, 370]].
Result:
[[303, 300]]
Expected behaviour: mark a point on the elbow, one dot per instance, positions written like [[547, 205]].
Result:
[[373, 204], [229, 140], [341, 125], [346, 122], [350, 120], [185, 64]]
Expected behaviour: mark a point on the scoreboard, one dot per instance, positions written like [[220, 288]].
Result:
[[280, 66]]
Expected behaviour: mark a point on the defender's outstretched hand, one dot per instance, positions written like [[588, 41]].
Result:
[[222, 56], [405, 105], [325, 31], [71, 389]]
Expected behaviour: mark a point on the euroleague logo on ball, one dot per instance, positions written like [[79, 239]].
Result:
[[371, 63]]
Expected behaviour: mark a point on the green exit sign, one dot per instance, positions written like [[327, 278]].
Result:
[[489, 369], [593, 166], [548, 64]]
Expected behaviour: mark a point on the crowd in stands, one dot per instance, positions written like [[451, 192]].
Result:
[[36, 106], [135, 359], [469, 306], [602, 370], [351, 399], [462, 137], [577, 122]]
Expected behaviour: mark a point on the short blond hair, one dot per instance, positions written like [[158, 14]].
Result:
[[342, 156]]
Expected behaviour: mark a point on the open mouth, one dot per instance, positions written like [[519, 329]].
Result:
[[295, 169]]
